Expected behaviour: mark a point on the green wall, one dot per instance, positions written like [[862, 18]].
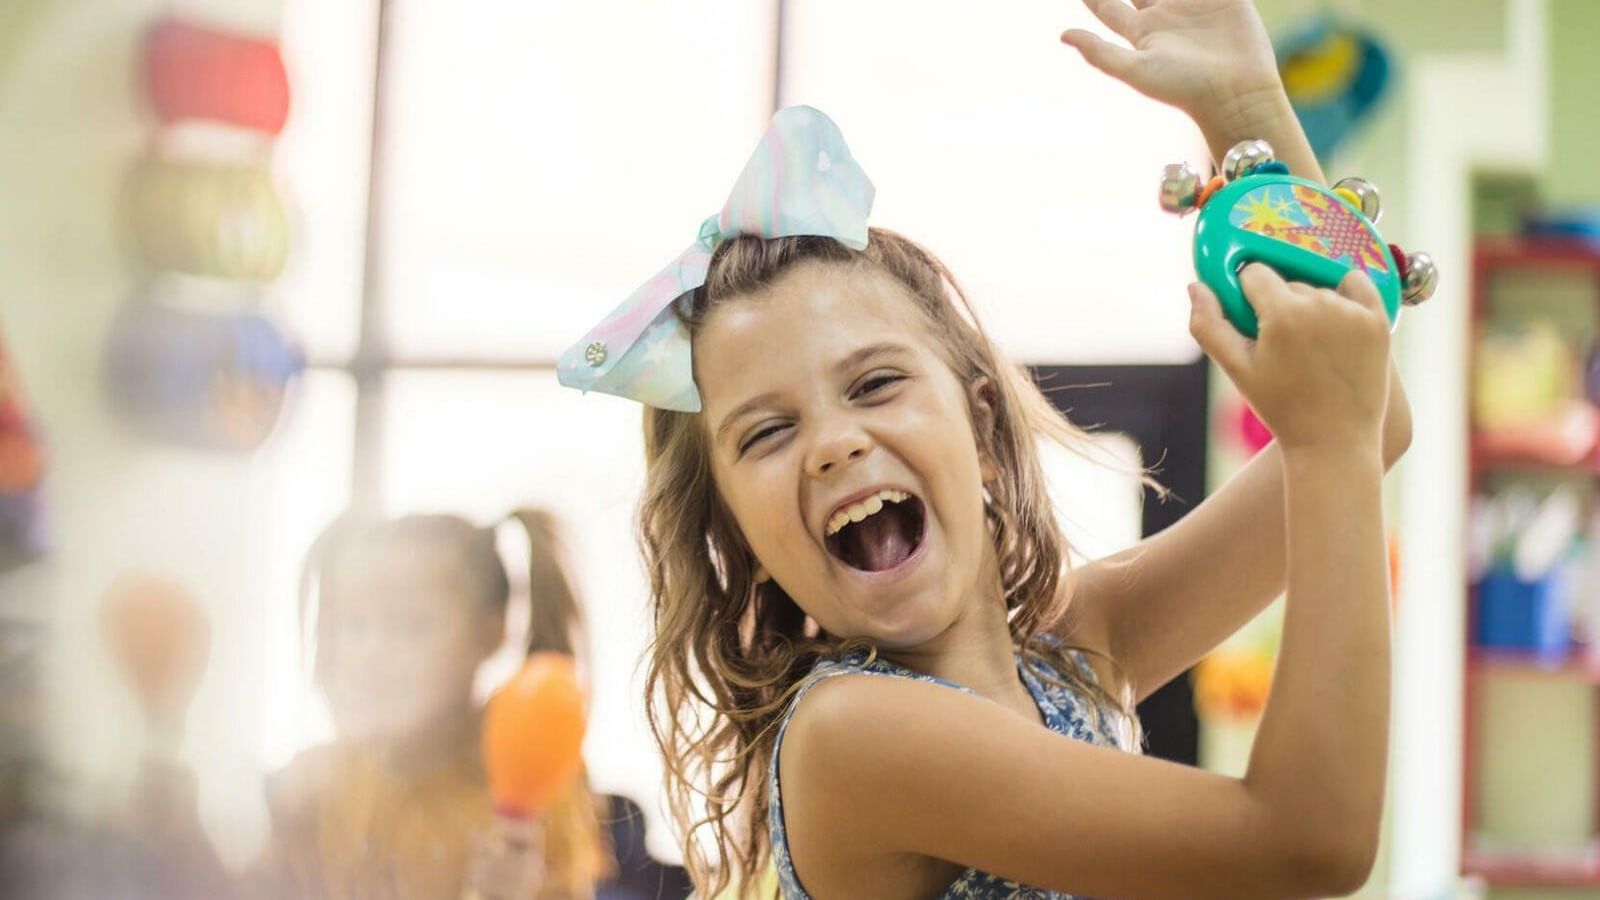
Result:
[[1574, 173]]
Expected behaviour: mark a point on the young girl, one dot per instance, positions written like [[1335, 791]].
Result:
[[871, 664], [398, 806]]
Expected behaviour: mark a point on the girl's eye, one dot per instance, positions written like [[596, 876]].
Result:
[[878, 382], [758, 436]]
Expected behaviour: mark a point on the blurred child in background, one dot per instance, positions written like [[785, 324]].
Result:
[[397, 806], [402, 614]]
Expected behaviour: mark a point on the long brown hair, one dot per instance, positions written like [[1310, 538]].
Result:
[[729, 653]]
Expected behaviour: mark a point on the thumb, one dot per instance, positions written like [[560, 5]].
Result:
[[1112, 59], [1357, 285], [1215, 334]]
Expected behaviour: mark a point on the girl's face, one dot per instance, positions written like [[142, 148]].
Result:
[[406, 639], [820, 394]]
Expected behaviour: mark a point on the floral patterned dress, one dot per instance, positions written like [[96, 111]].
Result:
[[1064, 713]]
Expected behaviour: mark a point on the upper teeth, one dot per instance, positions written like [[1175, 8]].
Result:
[[860, 509]]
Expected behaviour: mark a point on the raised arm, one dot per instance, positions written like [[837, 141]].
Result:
[[1160, 606]]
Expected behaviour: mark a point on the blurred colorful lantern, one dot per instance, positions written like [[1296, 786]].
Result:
[[1334, 72], [211, 380], [159, 637], [223, 220], [194, 72]]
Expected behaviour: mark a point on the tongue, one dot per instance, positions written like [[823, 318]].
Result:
[[878, 542]]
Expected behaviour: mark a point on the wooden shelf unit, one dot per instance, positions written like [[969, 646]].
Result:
[[1501, 868]]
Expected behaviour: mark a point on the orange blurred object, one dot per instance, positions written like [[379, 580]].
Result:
[[533, 735], [1394, 570], [1233, 684], [159, 636]]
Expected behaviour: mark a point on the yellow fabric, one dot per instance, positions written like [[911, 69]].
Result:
[[349, 821]]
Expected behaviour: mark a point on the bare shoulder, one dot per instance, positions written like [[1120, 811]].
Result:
[[836, 777]]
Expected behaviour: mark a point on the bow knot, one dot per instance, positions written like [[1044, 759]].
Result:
[[801, 180], [710, 234]]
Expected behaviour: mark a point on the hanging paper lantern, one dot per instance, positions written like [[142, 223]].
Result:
[[22, 467], [533, 735], [1334, 72], [194, 72], [159, 637], [220, 220], [211, 380]]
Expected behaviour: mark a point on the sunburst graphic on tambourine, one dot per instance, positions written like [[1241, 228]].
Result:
[[1310, 220]]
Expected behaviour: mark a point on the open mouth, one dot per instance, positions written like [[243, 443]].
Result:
[[891, 528]]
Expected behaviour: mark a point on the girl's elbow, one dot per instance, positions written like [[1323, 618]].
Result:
[[1336, 863], [1352, 868], [1397, 434]]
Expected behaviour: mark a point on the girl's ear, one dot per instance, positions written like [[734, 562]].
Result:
[[983, 400], [762, 575]]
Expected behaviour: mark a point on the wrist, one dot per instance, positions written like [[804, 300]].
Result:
[[1259, 110], [1347, 452]]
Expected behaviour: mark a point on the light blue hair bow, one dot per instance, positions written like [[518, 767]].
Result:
[[801, 180]]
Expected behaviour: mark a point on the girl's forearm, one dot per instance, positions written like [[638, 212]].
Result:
[[1319, 759], [1263, 113]]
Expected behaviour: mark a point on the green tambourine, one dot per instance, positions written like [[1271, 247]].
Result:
[[1255, 211]]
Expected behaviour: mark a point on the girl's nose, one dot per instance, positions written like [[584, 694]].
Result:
[[832, 451]]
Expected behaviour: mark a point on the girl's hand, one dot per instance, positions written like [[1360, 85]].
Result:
[[1318, 372], [507, 861], [1210, 58]]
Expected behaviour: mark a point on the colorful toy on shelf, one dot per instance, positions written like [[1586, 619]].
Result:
[[22, 468], [1525, 372], [1532, 616], [1572, 224], [533, 736], [1525, 556], [1255, 211], [193, 72]]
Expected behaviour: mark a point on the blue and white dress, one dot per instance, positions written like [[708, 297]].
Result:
[[1064, 713]]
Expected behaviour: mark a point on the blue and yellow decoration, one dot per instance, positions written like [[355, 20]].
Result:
[[1334, 72]]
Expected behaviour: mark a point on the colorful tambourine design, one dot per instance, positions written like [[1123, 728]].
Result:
[[1255, 211]]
